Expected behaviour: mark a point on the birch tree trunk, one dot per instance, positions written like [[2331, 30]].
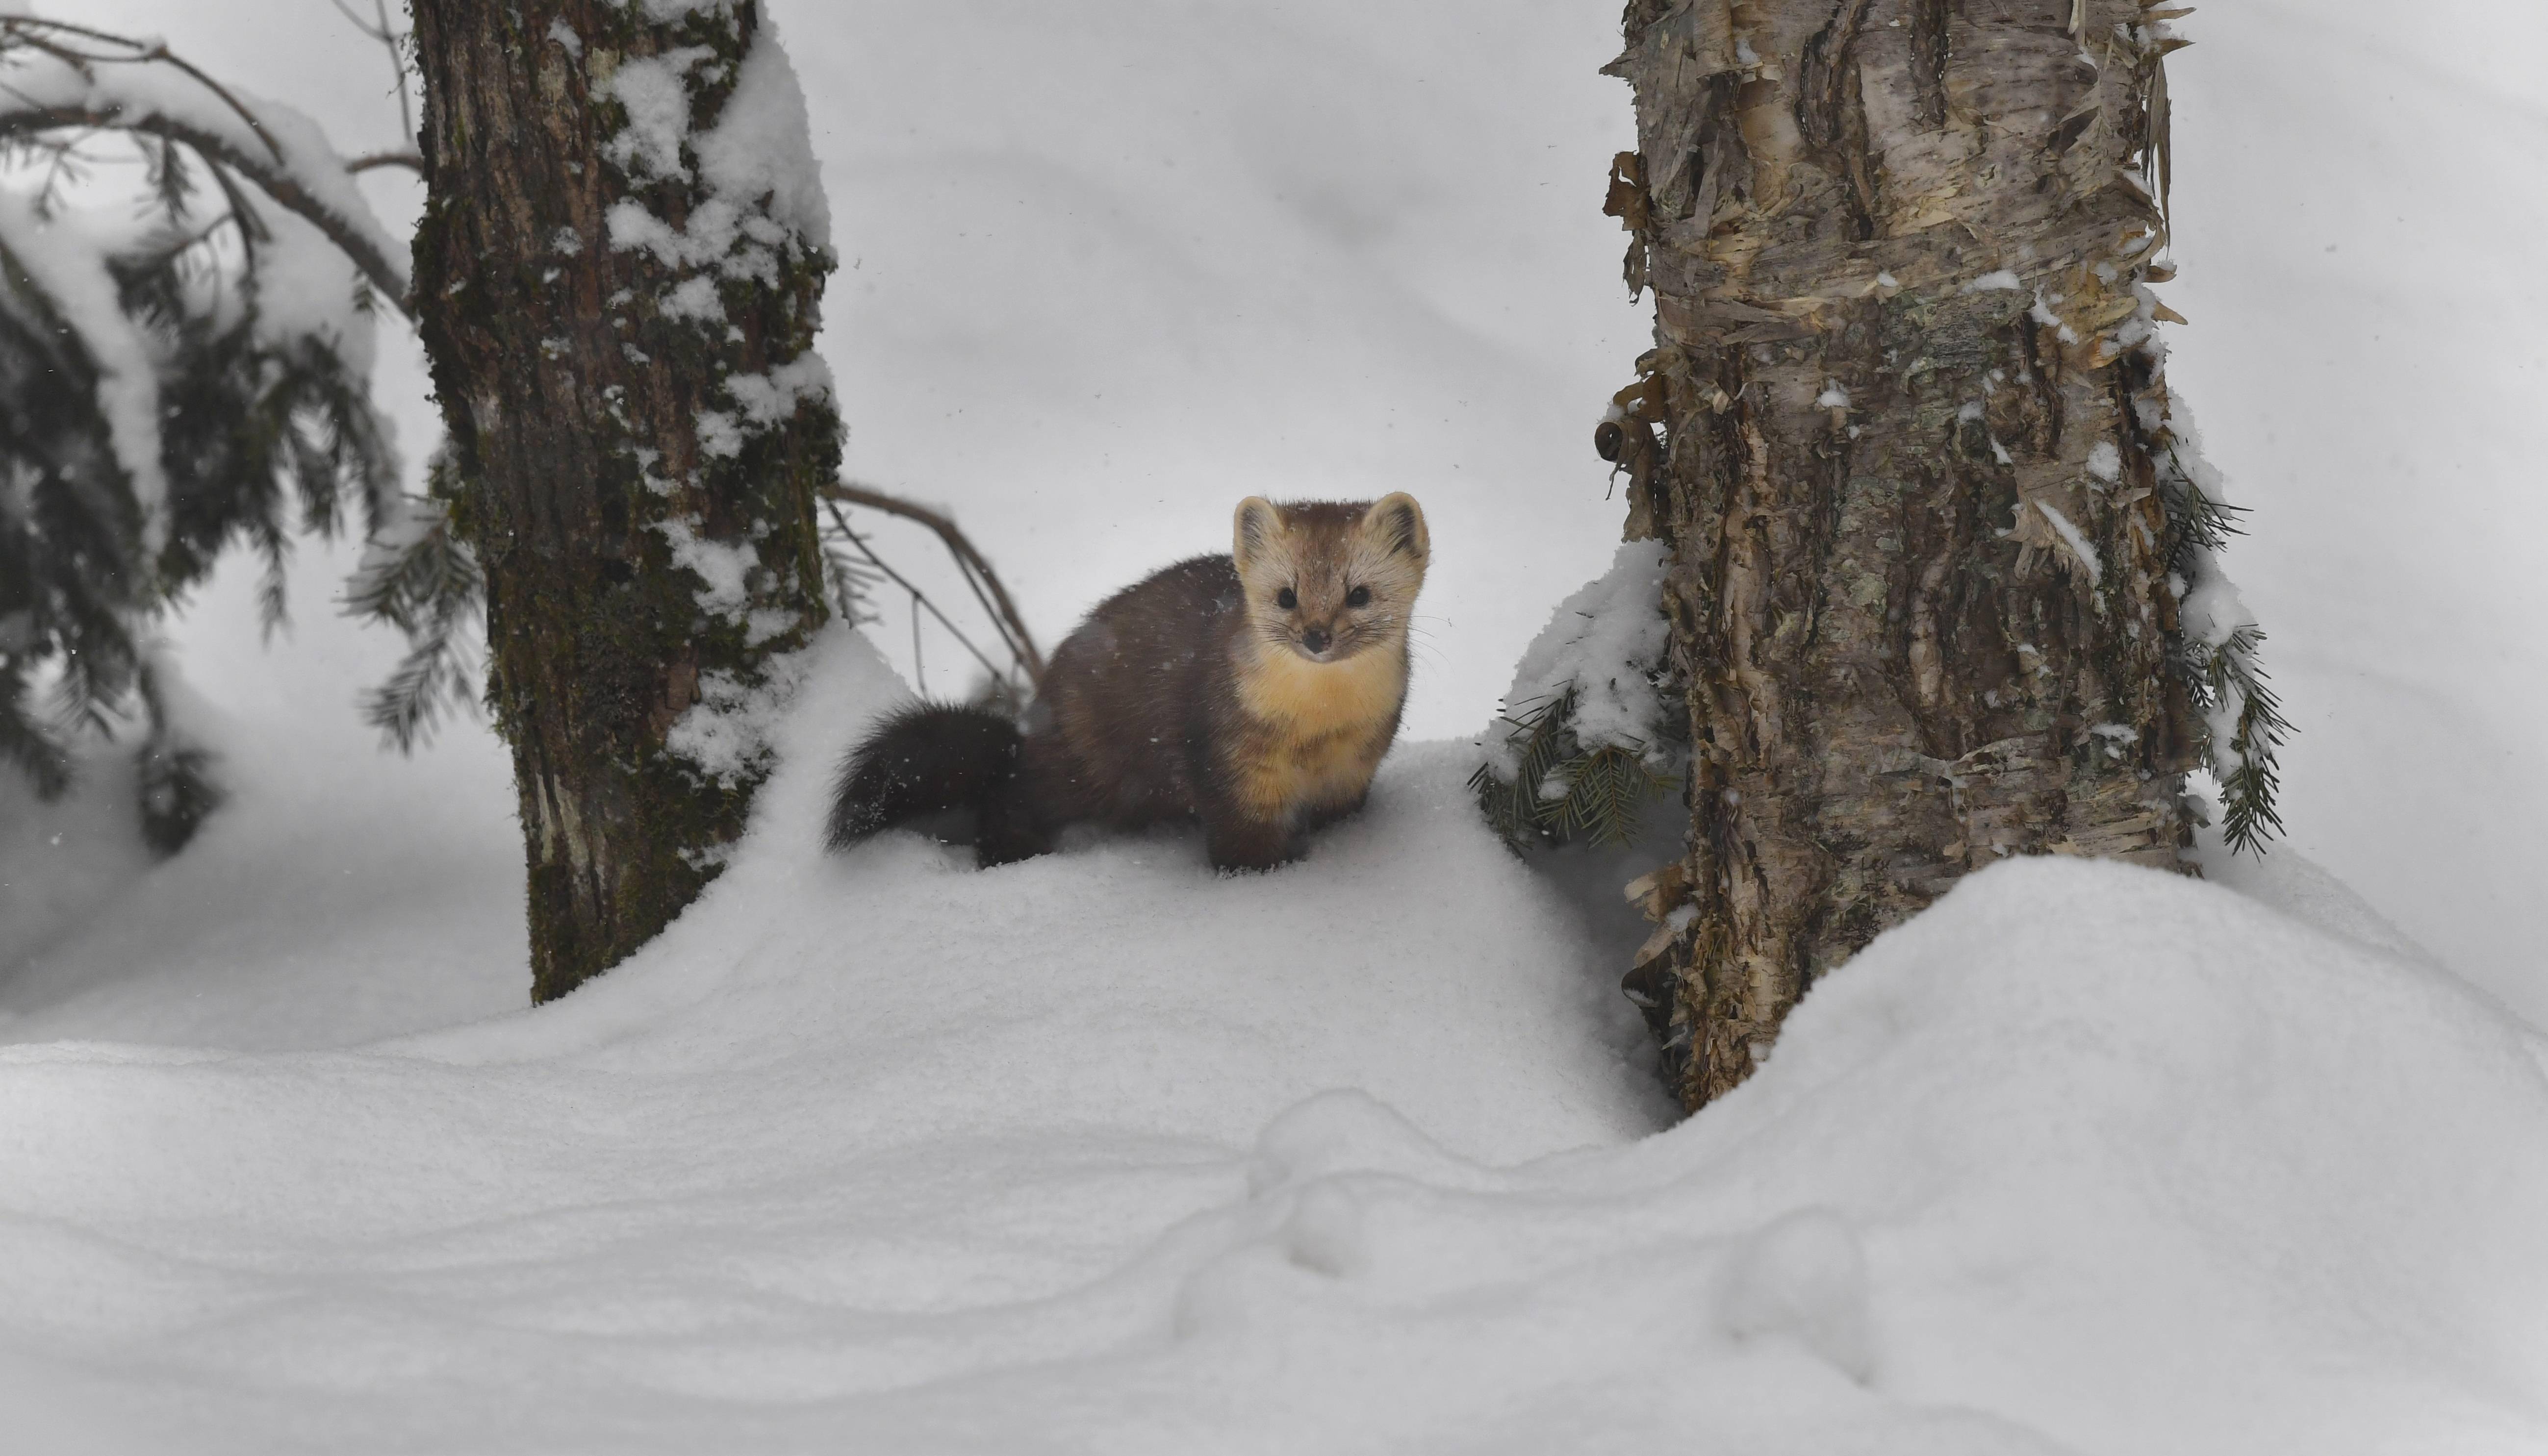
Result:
[[1906, 464], [618, 278]]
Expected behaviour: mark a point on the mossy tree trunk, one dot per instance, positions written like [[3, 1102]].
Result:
[[619, 299], [1921, 587]]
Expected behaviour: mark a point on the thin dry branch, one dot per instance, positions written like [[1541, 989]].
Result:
[[919, 599], [977, 566], [413, 161]]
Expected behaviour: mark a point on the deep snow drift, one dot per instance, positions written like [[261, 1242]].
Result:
[[1109, 266], [1101, 1152]]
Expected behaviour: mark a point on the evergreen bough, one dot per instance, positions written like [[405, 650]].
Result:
[[1565, 791], [2245, 766], [261, 432]]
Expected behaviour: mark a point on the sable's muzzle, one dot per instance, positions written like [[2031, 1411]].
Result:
[[1314, 640]]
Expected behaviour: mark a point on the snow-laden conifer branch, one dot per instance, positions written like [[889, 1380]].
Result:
[[1591, 729], [185, 364], [59, 78]]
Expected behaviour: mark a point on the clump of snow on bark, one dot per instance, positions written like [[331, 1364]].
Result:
[[1993, 282], [2106, 462], [654, 92], [757, 165], [720, 437], [762, 147], [770, 400], [694, 298], [763, 197], [724, 566], [2041, 313], [729, 733], [1604, 643], [2071, 538]]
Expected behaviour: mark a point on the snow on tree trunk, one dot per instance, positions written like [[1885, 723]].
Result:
[[618, 281], [1914, 467]]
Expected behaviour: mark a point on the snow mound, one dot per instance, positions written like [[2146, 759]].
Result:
[[1102, 1152]]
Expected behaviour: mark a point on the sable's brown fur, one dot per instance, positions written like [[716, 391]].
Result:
[[1196, 694]]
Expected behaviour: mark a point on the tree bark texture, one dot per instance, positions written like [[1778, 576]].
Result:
[[620, 343], [1919, 590]]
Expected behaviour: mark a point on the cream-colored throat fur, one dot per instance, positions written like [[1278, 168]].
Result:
[[1330, 723], [1284, 690]]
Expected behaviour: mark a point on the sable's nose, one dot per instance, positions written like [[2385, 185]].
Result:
[[1316, 640]]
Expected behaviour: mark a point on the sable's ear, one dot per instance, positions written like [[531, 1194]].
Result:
[[1253, 529], [1397, 522]]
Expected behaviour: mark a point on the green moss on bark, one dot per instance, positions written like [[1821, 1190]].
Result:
[[575, 396]]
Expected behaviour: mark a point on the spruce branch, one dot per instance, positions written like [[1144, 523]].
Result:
[[2230, 675], [1561, 792]]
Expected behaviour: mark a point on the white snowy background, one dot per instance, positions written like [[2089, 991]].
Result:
[[1099, 1153]]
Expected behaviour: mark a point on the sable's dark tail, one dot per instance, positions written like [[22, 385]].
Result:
[[926, 759]]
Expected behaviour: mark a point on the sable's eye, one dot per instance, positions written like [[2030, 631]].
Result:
[[1287, 598], [1359, 597]]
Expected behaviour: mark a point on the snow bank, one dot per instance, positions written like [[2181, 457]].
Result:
[[1104, 1152], [342, 894]]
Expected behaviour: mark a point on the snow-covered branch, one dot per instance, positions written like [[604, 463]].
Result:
[[56, 77]]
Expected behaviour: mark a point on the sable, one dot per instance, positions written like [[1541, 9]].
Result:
[[1253, 692]]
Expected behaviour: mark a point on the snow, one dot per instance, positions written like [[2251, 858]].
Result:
[[727, 734], [296, 919], [1602, 643], [2106, 462], [770, 400], [1102, 1153], [764, 189], [654, 91], [306, 289], [724, 568], [760, 149], [694, 298], [260, 132], [2081, 551]]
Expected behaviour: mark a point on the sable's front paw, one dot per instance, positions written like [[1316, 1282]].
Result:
[[1249, 848], [1229, 868]]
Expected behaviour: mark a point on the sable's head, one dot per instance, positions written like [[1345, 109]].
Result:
[[1329, 578]]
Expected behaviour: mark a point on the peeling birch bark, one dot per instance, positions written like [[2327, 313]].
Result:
[[1920, 585]]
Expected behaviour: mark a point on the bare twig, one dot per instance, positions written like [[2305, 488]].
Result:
[[975, 566], [398, 64], [919, 598], [413, 161], [379, 29]]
